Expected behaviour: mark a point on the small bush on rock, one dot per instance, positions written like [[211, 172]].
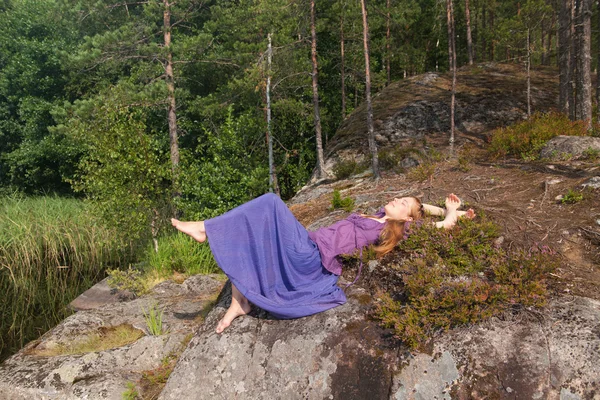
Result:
[[347, 203], [526, 139], [459, 276]]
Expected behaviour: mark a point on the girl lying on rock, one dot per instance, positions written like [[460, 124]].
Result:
[[276, 264]]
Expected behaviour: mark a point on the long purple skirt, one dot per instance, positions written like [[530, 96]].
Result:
[[268, 256]]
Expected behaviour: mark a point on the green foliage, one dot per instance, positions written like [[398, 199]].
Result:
[[422, 172], [219, 175], [131, 280], [182, 254], [347, 203], [344, 169], [390, 157], [51, 250], [527, 138], [154, 320], [131, 393], [459, 276], [591, 154], [126, 171], [572, 197]]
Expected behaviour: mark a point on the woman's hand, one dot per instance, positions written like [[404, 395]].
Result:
[[452, 202]]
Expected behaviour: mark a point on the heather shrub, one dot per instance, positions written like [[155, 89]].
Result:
[[459, 276], [526, 139]]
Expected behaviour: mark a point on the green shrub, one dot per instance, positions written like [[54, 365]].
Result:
[[346, 168], [526, 139], [130, 279], [459, 276], [572, 197], [422, 172], [346, 203], [390, 157], [591, 154], [131, 393]]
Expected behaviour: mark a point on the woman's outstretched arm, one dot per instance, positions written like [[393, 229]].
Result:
[[451, 214]]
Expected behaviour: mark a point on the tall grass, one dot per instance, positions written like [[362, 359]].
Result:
[[51, 250], [182, 254]]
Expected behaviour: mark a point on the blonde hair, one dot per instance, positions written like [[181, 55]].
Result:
[[394, 230]]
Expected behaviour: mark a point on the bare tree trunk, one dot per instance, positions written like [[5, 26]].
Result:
[[542, 37], [272, 179], [320, 159], [528, 72], [387, 44], [173, 137], [370, 127], [452, 55], [584, 80], [572, 63], [598, 71], [549, 42], [343, 68], [493, 42], [469, 38], [483, 33]]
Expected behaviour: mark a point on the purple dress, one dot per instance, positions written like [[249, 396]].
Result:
[[276, 263]]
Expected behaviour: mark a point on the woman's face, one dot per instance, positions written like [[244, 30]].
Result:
[[401, 208]]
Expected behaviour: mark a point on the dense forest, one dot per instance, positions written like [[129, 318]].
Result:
[[149, 109], [155, 106]]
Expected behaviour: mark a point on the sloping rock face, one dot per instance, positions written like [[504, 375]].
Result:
[[487, 96], [105, 374], [341, 354], [335, 354]]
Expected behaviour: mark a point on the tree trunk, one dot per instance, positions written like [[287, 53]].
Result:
[[542, 37], [483, 33], [572, 62], [584, 80], [549, 42], [315, 87], [342, 67], [171, 93], [469, 38], [370, 127], [272, 179], [493, 42], [452, 55], [528, 72], [598, 72], [388, 54]]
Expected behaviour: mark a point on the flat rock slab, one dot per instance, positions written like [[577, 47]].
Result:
[[105, 374], [100, 295]]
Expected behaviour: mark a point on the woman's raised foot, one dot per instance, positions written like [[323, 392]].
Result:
[[194, 228]]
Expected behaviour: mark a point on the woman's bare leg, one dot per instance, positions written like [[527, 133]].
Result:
[[194, 228], [239, 306]]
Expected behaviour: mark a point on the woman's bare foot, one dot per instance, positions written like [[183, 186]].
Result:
[[235, 310], [194, 228], [239, 306]]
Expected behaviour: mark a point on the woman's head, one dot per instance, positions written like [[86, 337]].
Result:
[[404, 209], [397, 213]]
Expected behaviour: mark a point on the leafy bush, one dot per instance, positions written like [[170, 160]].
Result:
[[572, 197], [526, 139], [459, 276], [347, 203], [390, 157]]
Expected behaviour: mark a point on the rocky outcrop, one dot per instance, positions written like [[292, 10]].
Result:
[[561, 147], [548, 354], [30, 374], [487, 96]]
